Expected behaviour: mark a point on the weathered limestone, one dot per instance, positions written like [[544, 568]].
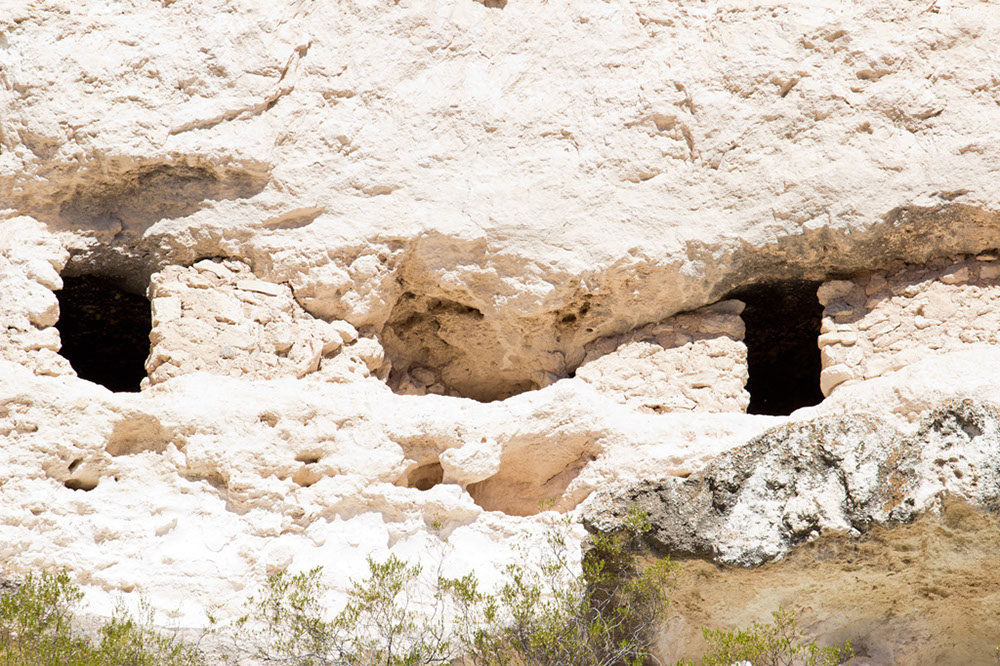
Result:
[[217, 317], [30, 261], [442, 347], [798, 481], [695, 361], [910, 392], [451, 151], [204, 483], [492, 196], [880, 322]]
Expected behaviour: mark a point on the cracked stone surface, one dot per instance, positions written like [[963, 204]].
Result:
[[879, 322], [516, 161], [415, 264], [800, 480]]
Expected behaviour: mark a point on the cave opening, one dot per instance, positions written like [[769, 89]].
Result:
[[426, 476], [783, 322], [104, 331]]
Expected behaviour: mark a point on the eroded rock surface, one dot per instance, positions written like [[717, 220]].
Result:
[[468, 177], [691, 362], [880, 322], [195, 488], [30, 261], [800, 480], [416, 264], [217, 317]]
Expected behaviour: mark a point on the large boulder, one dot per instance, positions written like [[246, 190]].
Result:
[[799, 480]]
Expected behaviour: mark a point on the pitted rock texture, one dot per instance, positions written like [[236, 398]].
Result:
[[880, 322], [798, 481], [195, 488], [481, 190], [694, 361], [444, 347], [216, 316], [517, 162]]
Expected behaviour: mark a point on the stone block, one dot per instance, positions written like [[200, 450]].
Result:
[[919, 310], [695, 361]]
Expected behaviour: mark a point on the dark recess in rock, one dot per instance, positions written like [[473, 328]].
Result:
[[104, 331], [426, 476], [782, 326]]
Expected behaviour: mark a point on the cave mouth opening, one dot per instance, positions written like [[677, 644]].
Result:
[[426, 476], [783, 322], [104, 331]]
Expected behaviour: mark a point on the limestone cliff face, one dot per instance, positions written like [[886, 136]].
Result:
[[414, 268], [504, 167]]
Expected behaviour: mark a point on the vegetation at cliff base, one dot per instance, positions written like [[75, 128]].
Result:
[[36, 630], [549, 609], [554, 613], [779, 643]]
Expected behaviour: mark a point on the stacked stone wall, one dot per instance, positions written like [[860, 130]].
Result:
[[217, 317], [30, 262], [695, 361], [880, 322]]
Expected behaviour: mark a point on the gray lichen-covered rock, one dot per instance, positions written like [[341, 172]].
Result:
[[798, 480]]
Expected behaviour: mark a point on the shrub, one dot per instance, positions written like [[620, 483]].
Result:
[[552, 615], [36, 630], [541, 615], [378, 625], [133, 641], [777, 644], [35, 622]]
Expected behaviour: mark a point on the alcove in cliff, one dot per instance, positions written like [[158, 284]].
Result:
[[782, 326], [104, 331]]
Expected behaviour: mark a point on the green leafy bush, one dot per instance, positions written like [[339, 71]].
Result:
[[777, 644], [548, 614], [133, 641], [552, 615], [378, 626], [36, 630]]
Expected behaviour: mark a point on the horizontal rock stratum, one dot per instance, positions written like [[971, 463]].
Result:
[[298, 282]]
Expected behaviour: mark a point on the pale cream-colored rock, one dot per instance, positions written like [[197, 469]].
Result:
[[473, 462], [833, 376], [30, 261], [206, 483], [551, 173], [886, 321], [216, 317], [914, 389], [478, 191], [195, 488], [694, 361]]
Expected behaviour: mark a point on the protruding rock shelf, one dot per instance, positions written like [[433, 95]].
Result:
[[798, 481]]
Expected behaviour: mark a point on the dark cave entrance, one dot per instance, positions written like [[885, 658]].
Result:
[[782, 327], [426, 476], [104, 331]]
